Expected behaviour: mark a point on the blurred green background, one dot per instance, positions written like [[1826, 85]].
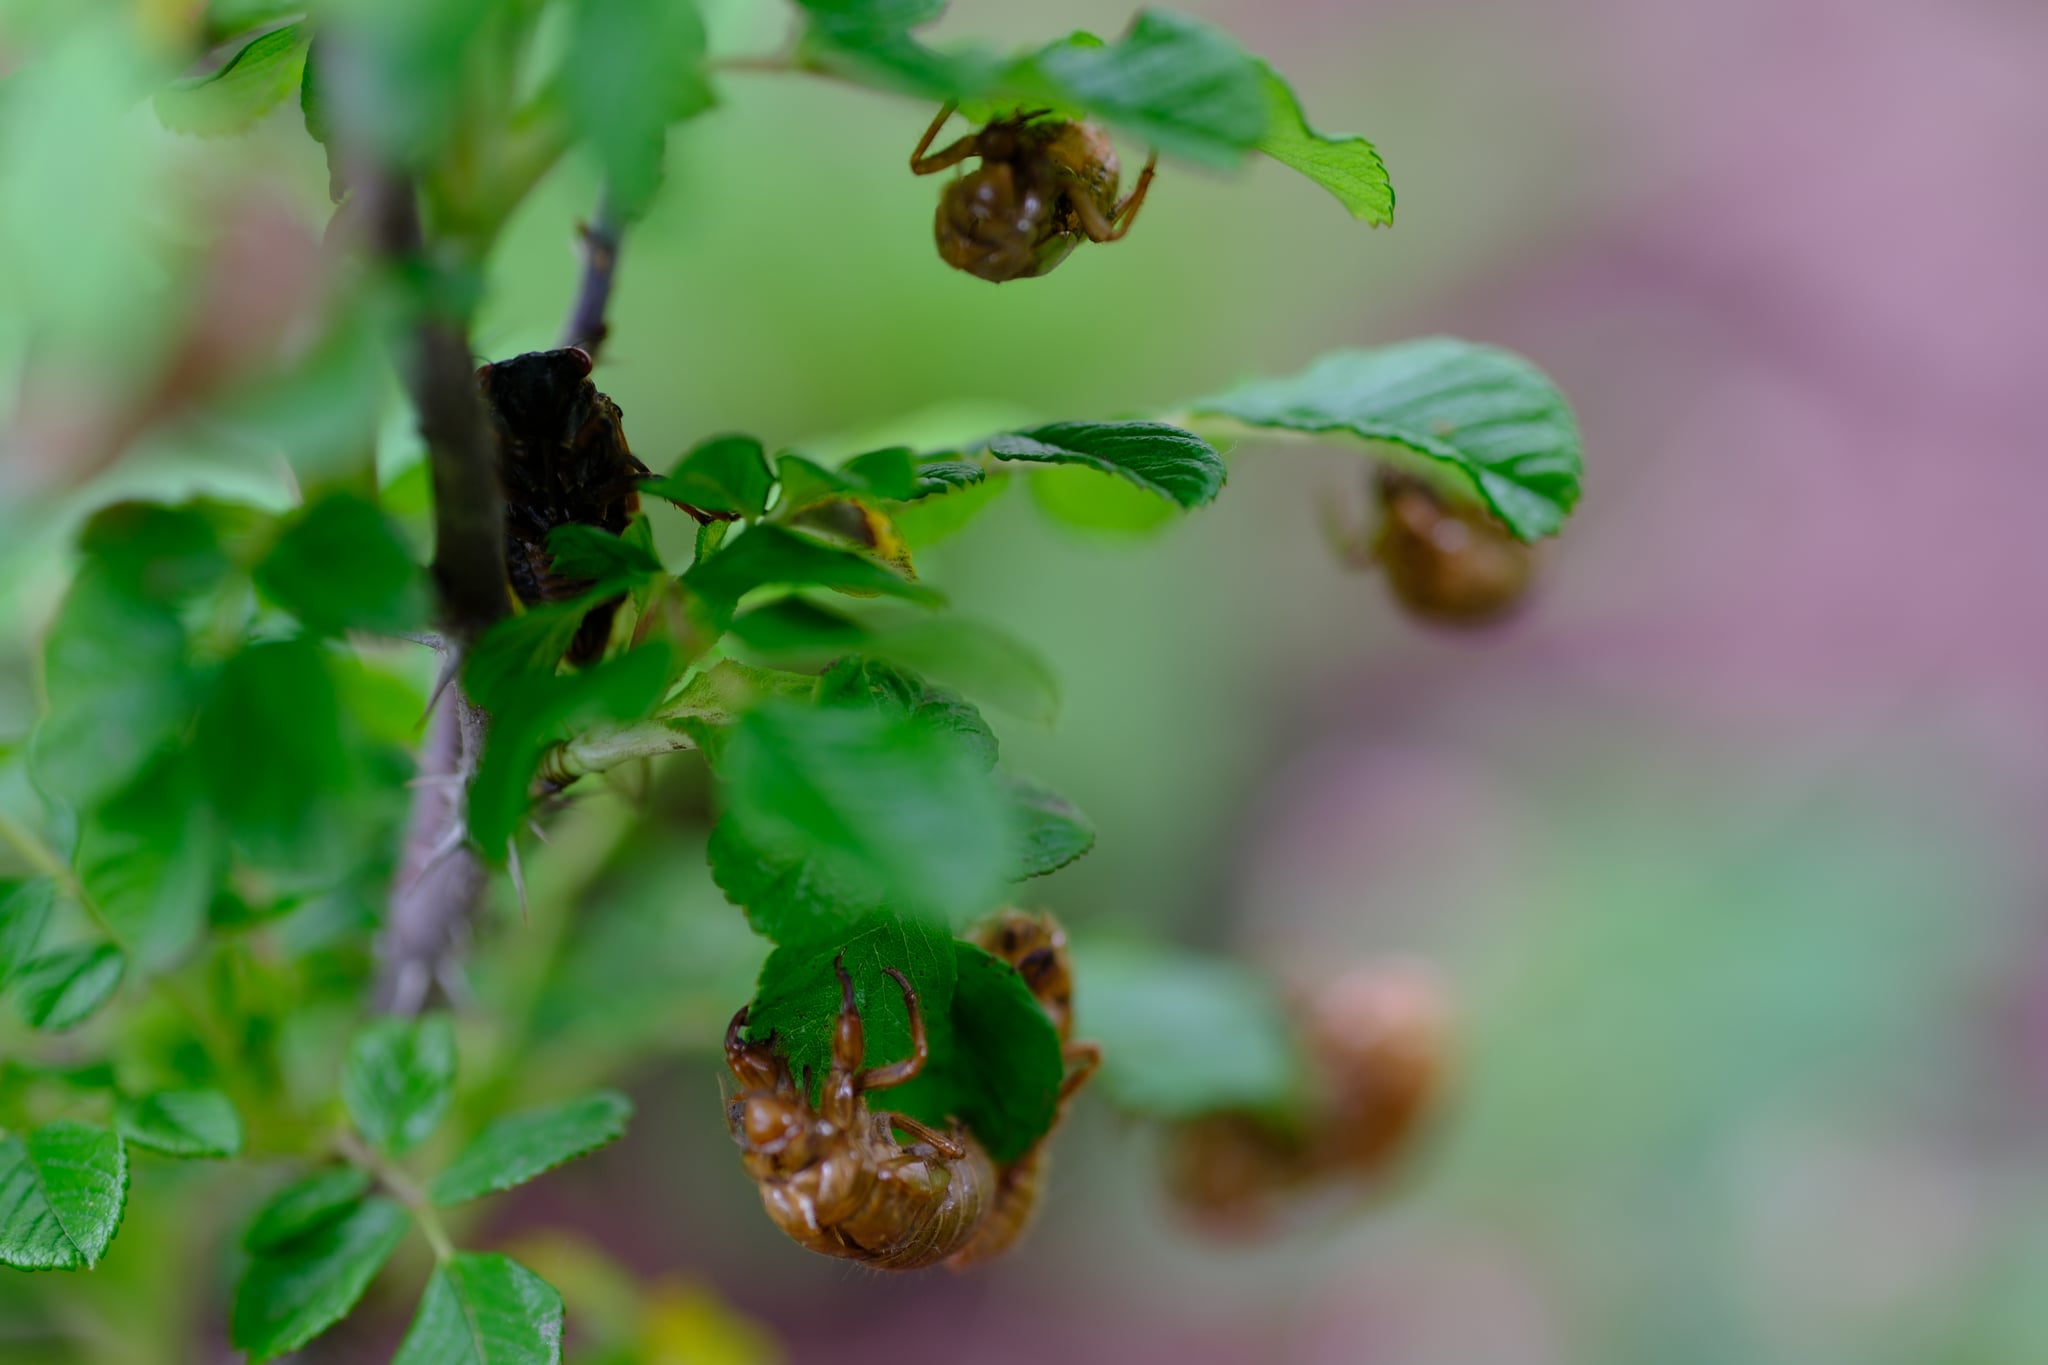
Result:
[[1729, 847]]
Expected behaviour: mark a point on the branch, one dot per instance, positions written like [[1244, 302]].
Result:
[[595, 751], [602, 236]]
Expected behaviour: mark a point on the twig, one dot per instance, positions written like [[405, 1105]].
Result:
[[407, 1191], [595, 751], [602, 237], [438, 885]]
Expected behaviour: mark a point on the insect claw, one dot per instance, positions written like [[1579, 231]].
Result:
[[846, 1000]]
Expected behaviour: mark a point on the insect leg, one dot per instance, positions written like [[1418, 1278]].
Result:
[[1082, 1059], [896, 1073], [744, 1058], [942, 1143], [1112, 228], [920, 164]]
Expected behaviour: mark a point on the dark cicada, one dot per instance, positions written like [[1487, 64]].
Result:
[[562, 459]]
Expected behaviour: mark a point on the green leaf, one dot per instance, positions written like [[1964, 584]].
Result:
[[341, 565], [872, 797], [24, 913], [633, 68], [785, 895], [120, 688], [935, 515], [797, 1000], [1177, 465], [880, 475], [1181, 85], [724, 474], [521, 646], [1348, 167], [613, 562], [292, 1293], [875, 14], [1183, 1035], [182, 1123], [1000, 1073], [1054, 833], [1480, 419], [270, 747], [979, 659], [233, 98], [769, 556], [62, 1189], [305, 1205], [799, 627], [63, 989], [872, 682], [938, 476], [1085, 501], [537, 711], [151, 860], [518, 1147], [398, 1080], [160, 553], [482, 1308]]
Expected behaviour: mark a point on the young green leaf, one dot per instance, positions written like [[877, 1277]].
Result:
[[482, 1308], [633, 68], [1177, 465], [62, 989], [613, 563], [1000, 1072], [1348, 167], [198, 1123], [1479, 418], [873, 796], [769, 556], [882, 475], [532, 715], [298, 1289], [518, 1147], [787, 896], [398, 1080], [24, 912], [341, 565], [1053, 832], [726, 474], [233, 98], [1178, 84], [62, 1189], [798, 998], [305, 1205], [1183, 1036], [936, 514]]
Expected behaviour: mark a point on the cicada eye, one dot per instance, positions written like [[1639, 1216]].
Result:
[[581, 358]]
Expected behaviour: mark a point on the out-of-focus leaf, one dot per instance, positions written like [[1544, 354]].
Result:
[[881, 475], [200, 1123], [62, 989], [341, 565], [937, 515], [1086, 501], [156, 552], [981, 660], [398, 1080], [304, 1205], [1481, 420], [270, 746], [1177, 465], [62, 1189], [252, 83], [482, 1308], [769, 556], [723, 474], [1052, 832], [152, 859], [518, 1147], [295, 1291], [633, 68], [1348, 167], [1181, 85], [120, 688], [614, 563], [522, 645], [24, 912], [1183, 1035], [872, 682], [784, 894]]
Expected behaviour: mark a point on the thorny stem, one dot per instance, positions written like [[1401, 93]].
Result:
[[602, 237], [403, 1187]]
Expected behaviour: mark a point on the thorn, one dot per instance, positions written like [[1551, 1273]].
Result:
[[456, 836], [538, 832], [518, 879], [450, 666]]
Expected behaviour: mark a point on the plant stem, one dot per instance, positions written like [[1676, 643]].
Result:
[[403, 1187], [602, 237]]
